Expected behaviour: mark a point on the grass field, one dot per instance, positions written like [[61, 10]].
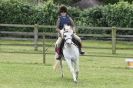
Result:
[[100, 69]]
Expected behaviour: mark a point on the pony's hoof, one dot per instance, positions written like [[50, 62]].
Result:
[[75, 81], [62, 76], [77, 75]]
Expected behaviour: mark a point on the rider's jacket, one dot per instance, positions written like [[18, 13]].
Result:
[[64, 20]]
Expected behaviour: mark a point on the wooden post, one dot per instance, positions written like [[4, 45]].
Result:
[[113, 40], [44, 49], [35, 37]]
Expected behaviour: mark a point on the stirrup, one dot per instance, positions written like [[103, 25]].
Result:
[[58, 57]]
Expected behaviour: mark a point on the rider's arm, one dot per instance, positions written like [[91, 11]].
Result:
[[57, 25], [73, 25]]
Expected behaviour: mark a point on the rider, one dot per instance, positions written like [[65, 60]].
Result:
[[65, 19]]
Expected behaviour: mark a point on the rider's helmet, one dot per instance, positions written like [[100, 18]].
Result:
[[63, 9]]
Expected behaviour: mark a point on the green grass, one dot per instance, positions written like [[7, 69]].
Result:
[[100, 69]]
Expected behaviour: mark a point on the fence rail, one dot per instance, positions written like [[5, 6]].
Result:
[[55, 34], [36, 27]]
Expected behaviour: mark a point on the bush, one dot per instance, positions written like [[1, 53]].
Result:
[[15, 12], [119, 15]]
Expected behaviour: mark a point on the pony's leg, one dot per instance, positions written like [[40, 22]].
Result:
[[69, 62], [76, 66], [56, 64], [62, 75]]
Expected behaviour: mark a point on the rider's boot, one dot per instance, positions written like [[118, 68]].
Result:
[[80, 50], [58, 55]]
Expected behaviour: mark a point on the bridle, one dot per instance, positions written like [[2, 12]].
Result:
[[71, 38]]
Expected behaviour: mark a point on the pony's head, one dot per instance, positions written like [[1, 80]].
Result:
[[67, 35]]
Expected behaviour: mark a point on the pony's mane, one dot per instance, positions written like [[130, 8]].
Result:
[[66, 28]]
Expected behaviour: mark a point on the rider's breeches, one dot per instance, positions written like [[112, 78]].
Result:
[[77, 38], [58, 42]]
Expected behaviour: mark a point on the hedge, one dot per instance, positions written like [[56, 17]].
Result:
[[119, 14]]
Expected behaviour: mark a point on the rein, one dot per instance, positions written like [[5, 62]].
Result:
[[67, 39]]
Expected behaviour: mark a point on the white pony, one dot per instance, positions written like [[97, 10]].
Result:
[[70, 52]]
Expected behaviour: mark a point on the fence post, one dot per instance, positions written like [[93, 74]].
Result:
[[113, 40], [44, 49], [35, 37]]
